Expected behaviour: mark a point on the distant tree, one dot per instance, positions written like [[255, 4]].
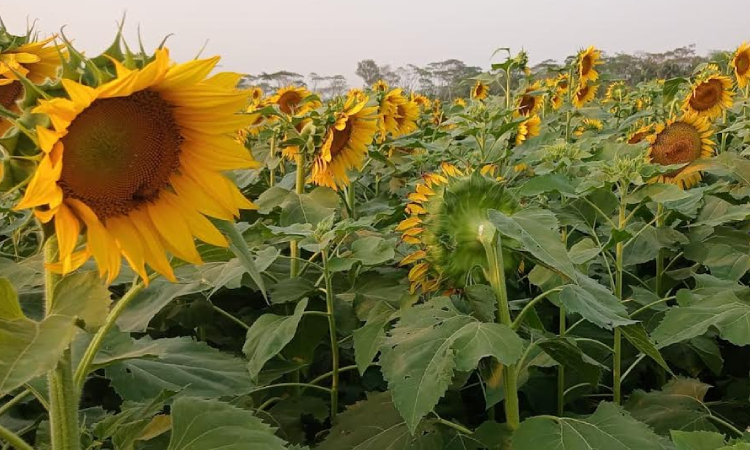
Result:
[[272, 81], [369, 71]]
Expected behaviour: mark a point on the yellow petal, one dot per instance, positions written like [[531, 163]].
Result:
[[174, 231], [100, 243], [81, 95], [200, 198], [130, 244], [408, 223], [152, 248], [416, 256], [47, 138], [67, 229], [74, 262], [188, 73], [43, 188], [200, 227]]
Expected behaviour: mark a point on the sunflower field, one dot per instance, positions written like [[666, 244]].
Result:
[[190, 263]]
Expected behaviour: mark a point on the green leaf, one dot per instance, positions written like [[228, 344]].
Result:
[[125, 427], [483, 301], [308, 208], [550, 182], [428, 344], [239, 247], [637, 335], [608, 428], [603, 311], [536, 230], [376, 424], [372, 250], [697, 440], [10, 309], [583, 251], [718, 212], [369, 338], [726, 312], [181, 365], [288, 414], [678, 406], [82, 295], [568, 354], [658, 192], [268, 336], [290, 290], [199, 424]]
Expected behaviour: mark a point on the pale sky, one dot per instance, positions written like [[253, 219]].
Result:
[[330, 36]]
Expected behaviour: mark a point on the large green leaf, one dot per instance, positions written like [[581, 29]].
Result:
[[608, 428], [376, 424], [567, 353], [604, 311], [268, 336], [429, 342], [83, 295], [199, 424], [28, 348], [369, 337], [308, 208], [697, 440], [181, 364], [536, 230], [726, 312], [239, 247], [637, 335], [678, 406]]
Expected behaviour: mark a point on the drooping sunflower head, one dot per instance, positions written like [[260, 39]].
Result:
[[447, 215], [616, 92], [421, 100], [480, 91], [398, 115], [741, 64], [710, 94], [588, 59], [459, 102], [380, 86], [588, 124], [528, 129], [137, 164], [345, 143], [528, 103], [584, 94], [294, 101], [36, 61], [681, 141]]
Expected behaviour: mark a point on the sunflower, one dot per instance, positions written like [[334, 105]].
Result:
[[480, 91], [138, 163], [36, 61], [588, 59], [741, 64], [421, 100], [398, 115], [616, 92], [528, 129], [640, 134], [588, 124], [447, 212], [584, 94], [681, 141], [345, 144], [528, 104], [709, 96], [460, 102], [256, 95], [380, 86], [291, 100]]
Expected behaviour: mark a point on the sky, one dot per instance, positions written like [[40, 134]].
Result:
[[329, 36]]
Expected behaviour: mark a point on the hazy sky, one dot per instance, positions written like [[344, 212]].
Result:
[[330, 36]]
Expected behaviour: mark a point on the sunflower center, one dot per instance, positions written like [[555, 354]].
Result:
[[289, 101], [679, 143], [9, 93], [742, 63], [526, 105], [706, 95], [341, 138], [586, 64], [120, 152], [581, 94]]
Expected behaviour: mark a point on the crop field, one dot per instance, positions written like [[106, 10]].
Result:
[[539, 259]]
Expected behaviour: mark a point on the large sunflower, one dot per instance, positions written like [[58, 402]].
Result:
[[345, 143], [35, 61], [528, 129], [398, 114], [528, 104], [480, 91], [681, 141], [138, 163], [741, 64], [709, 96], [584, 94], [446, 215], [588, 59], [421, 100], [293, 101]]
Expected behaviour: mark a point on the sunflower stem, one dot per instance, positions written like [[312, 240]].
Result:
[[272, 152], [63, 395], [334, 340], [84, 367], [617, 357], [660, 255], [507, 87], [492, 243], [13, 439], [351, 200], [299, 160]]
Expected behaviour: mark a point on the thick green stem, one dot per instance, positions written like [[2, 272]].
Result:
[[84, 367], [617, 357], [561, 368], [13, 439], [272, 170], [660, 255], [496, 274], [299, 160], [507, 88], [334, 340], [63, 395]]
